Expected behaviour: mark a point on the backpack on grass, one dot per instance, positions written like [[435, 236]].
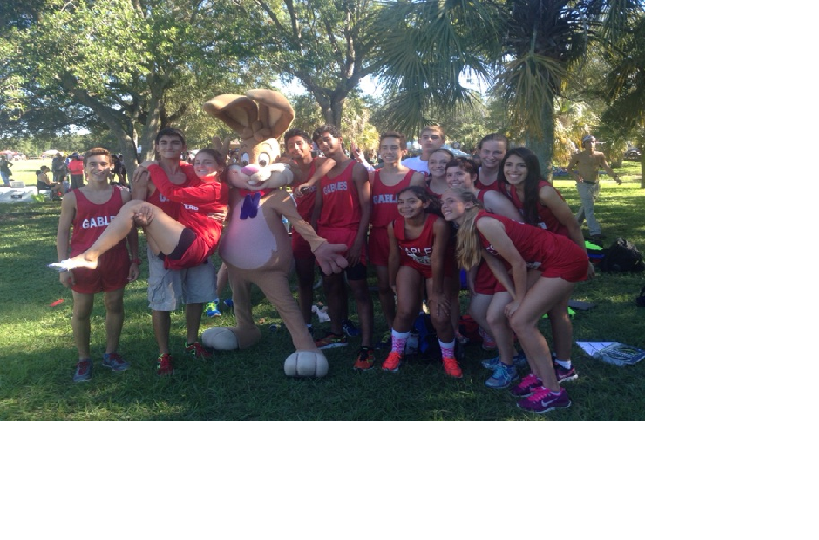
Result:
[[622, 256]]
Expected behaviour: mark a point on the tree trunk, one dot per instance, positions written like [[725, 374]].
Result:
[[544, 147]]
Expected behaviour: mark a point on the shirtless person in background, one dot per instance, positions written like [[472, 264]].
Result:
[[588, 164]]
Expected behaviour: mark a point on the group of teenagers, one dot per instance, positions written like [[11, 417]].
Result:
[[417, 221]]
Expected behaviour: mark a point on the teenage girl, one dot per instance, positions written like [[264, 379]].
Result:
[[436, 181], [489, 296], [185, 243], [418, 250], [385, 183], [544, 268], [541, 205]]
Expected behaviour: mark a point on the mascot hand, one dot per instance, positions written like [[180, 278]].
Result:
[[280, 176], [330, 257]]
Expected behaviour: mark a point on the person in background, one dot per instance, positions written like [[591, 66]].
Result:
[[585, 168], [5, 170], [431, 138], [491, 150], [44, 183], [75, 168], [85, 213]]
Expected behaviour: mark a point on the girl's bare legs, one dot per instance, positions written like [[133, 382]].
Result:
[[408, 283], [162, 231], [499, 326], [541, 298], [441, 320]]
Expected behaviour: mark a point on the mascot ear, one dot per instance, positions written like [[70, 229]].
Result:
[[221, 146]]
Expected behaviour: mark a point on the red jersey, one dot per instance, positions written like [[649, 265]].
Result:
[[417, 250], [197, 202], [75, 166], [305, 203], [385, 199], [168, 206], [547, 219], [91, 219], [340, 207], [539, 248]]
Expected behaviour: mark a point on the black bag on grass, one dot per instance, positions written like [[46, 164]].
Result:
[[622, 256]]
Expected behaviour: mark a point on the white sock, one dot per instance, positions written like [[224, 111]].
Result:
[[566, 364]]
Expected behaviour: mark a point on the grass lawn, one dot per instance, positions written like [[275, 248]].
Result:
[[38, 353]]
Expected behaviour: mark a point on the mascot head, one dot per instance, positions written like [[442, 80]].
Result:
[[258, 118]]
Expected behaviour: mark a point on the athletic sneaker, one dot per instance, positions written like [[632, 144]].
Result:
[[349, 328], [502, 377], [228, 302], [527, 386], [84, 369], [519, 361], [392, 362], [212, 309], [488, 341], [331, 341], [452, 368], [198, 350], [365, 360], [564, 374], [115, 362], [542, 400], [164, 365]]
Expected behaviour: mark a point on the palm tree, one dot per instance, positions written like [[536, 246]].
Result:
[[522, 48]]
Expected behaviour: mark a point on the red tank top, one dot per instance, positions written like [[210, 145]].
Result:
[[547, 219], [339, 200], [417, 250], [385, 199], [305, 203], [172, 208], [91, 219], [199, 200], [537, 246]]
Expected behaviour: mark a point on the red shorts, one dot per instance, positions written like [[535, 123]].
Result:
[[193, 255], [378, 247], [485, 280], [301, 248], [342, 236], [111, 274], [571, 265]]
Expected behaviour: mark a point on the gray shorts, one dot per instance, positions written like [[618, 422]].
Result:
[[168, 289]]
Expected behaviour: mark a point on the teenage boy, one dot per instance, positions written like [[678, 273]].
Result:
[[432, 138], [342, 215], [167, 288], [86, 211]]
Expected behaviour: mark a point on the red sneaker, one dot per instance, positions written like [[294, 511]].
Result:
[[164, 365], [452, 368]]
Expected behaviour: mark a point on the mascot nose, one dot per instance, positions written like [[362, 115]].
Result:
[[250, 170]]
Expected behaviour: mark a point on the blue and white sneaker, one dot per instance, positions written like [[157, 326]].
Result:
[[502, 377], [519, 361], [212, 309], [349, 328]]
